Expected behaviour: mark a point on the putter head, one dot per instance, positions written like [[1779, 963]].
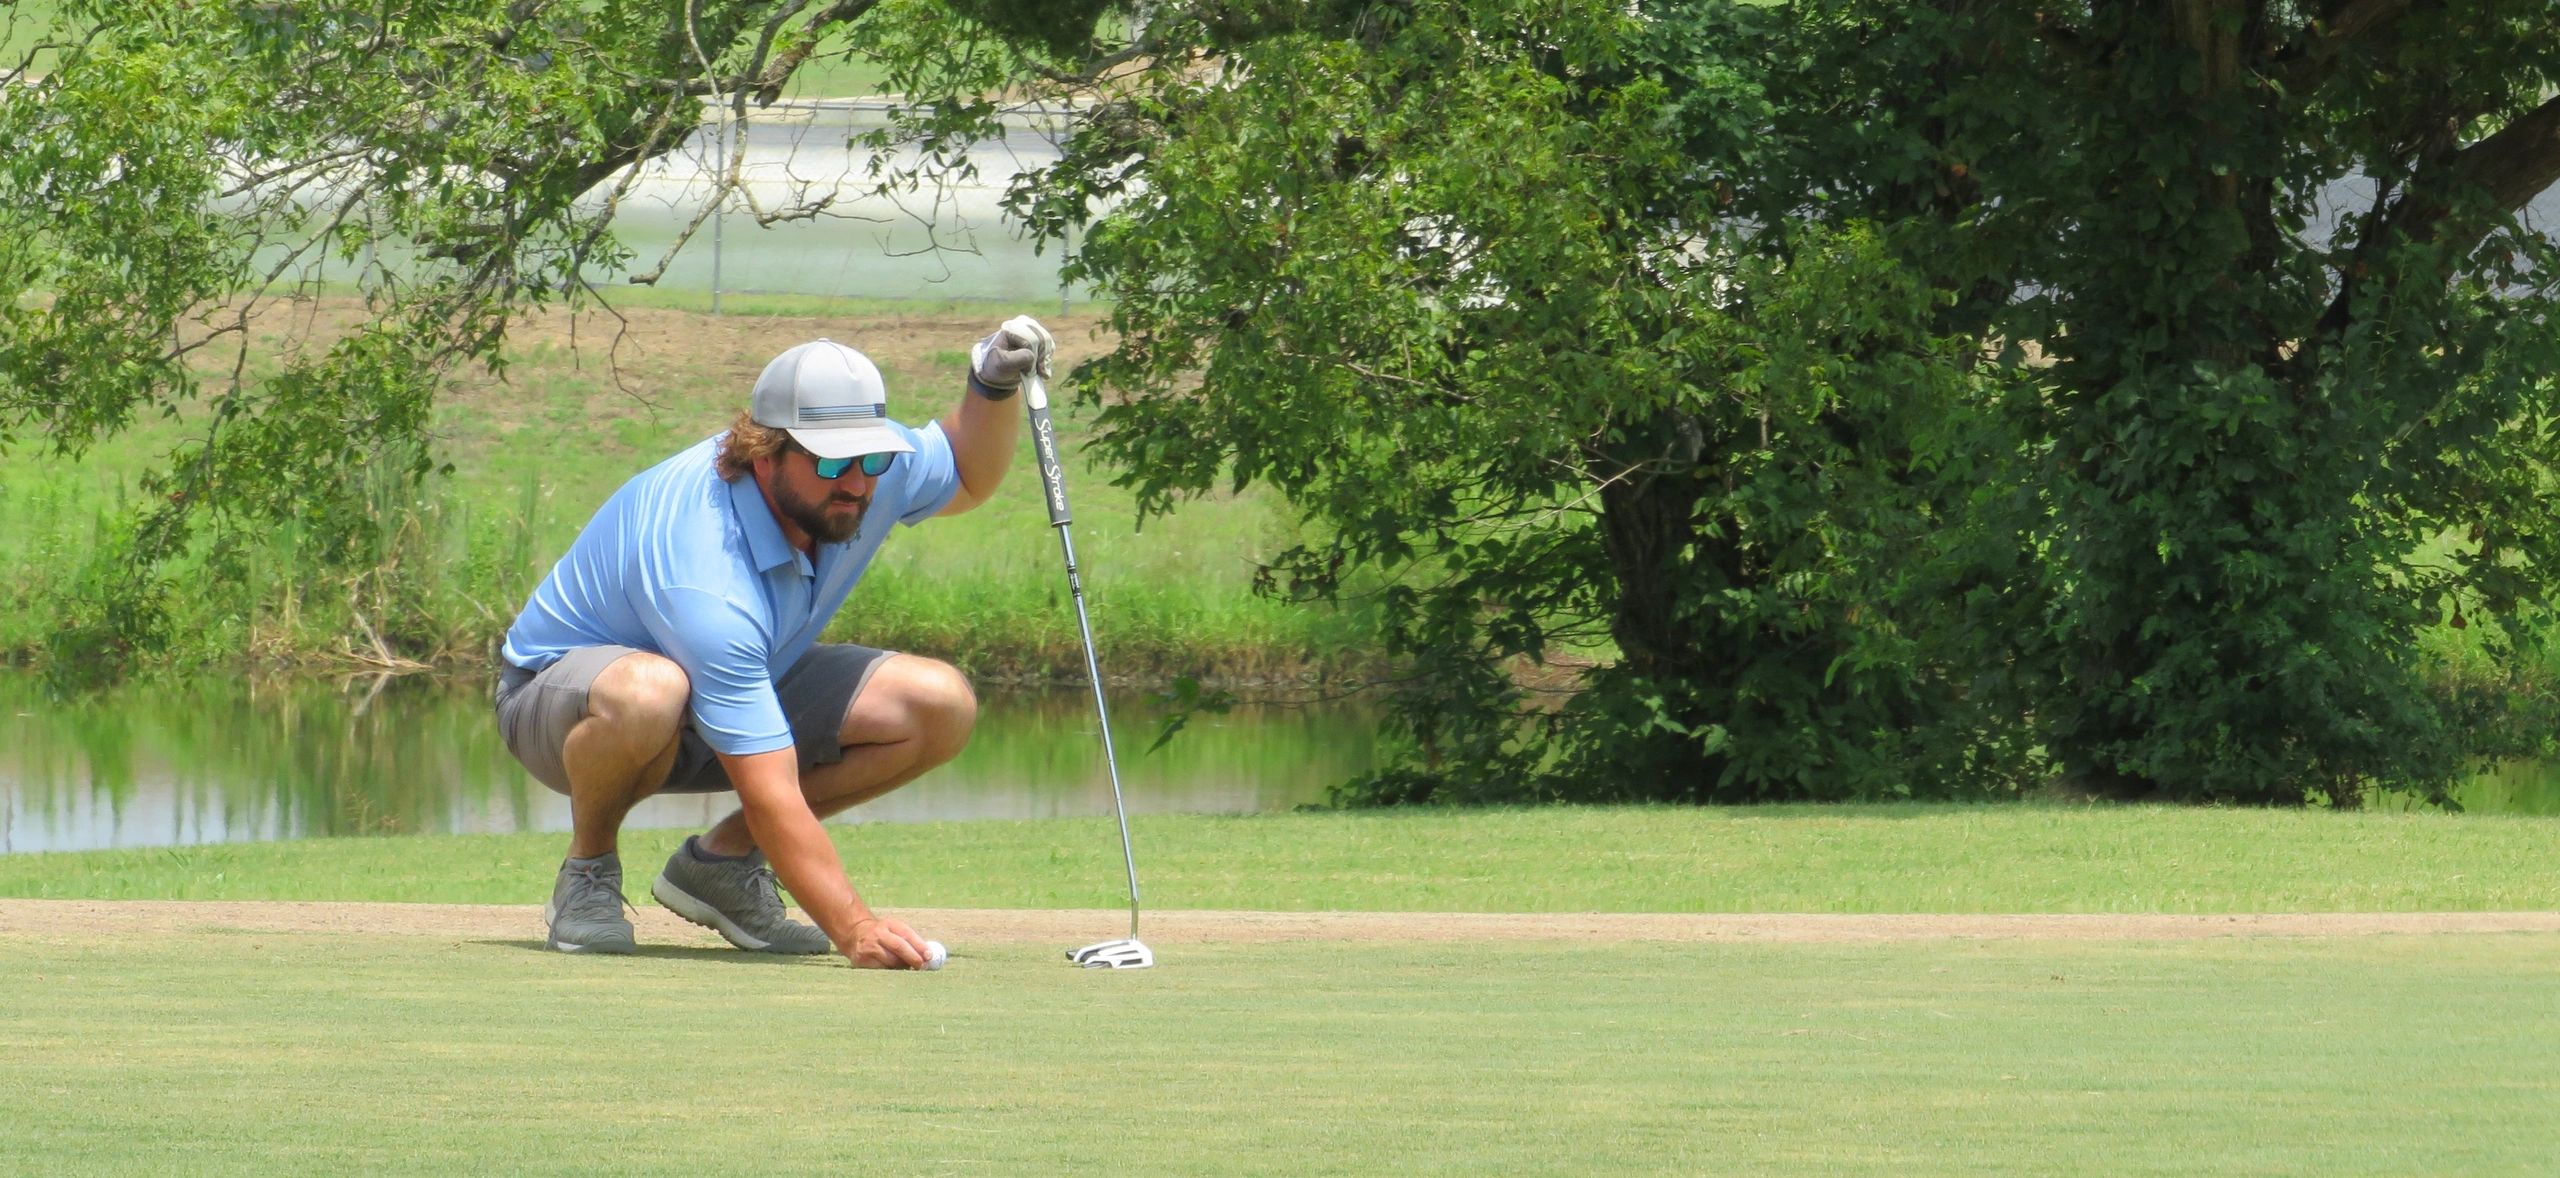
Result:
[[1130, 953]]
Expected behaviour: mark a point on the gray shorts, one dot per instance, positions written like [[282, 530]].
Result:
[[537, 710]]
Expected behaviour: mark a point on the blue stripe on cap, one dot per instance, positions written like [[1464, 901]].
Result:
[[836, 412]]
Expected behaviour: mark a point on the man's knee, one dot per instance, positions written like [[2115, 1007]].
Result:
[[641, 694], [934, 701]]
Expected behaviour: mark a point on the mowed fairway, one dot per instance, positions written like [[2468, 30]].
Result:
[[248, 1052], [1788, 991]]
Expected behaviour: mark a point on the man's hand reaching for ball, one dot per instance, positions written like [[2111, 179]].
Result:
[[883, 942]]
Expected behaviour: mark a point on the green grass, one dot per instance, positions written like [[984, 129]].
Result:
[[782, 305], [834, 76], [22, 24], [533, 453], [227, 1052], [224, 1051], [1951, 859]]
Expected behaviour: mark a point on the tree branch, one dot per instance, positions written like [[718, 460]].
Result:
[[770, 74], [756, 62], [2510, 167], [2346, 20], [2520, 161]]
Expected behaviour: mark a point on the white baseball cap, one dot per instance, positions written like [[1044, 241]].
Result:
[[831, 401]]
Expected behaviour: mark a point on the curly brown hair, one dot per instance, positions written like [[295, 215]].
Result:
[[747, 442]]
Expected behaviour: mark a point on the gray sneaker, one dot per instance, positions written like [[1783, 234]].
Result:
[[585, 912], [737, 899]]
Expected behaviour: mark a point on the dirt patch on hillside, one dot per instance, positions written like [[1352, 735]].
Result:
[[596, 370], [657, 354], [58, 918]]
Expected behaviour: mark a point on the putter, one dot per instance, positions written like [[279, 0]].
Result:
[[1129, 952]]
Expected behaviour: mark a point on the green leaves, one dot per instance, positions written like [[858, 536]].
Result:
[[2249, 441], [1453, 286], [430, 169], [1979, 378]]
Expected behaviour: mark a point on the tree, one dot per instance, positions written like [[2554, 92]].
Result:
[[2296, 403], [2257, 430], [1438, 275], [176, 170]]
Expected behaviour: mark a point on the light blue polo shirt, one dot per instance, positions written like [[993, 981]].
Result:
[[697, 569]]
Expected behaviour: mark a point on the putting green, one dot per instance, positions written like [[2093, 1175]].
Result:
[[169, 1038]]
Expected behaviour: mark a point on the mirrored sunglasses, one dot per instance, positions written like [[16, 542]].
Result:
[[874, 465]]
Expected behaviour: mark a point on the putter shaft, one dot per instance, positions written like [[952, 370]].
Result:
[[1102, 711], [1044, 443]]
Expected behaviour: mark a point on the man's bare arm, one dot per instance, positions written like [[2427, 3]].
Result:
[[983, 434], [796, 844]]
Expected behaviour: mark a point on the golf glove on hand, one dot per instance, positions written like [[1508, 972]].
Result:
[[1000, 361]]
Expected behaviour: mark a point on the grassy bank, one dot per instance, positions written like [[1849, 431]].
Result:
[[585, 404], [1909, 858]]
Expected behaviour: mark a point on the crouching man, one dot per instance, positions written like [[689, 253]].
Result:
[[675, 648]]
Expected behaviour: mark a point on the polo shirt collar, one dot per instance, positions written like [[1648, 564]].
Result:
[[765, 542]]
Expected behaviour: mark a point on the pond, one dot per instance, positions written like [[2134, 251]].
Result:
[[211, 760], [228, 760]]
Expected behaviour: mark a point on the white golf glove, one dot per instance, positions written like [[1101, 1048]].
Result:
[[999, 362]]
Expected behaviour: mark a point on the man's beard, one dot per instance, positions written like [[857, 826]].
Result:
[[812, 516]]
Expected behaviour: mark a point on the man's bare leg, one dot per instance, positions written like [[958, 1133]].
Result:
[[913, 714], [622, 751], [616, 755]]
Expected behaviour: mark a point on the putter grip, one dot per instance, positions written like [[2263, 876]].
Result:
[[1044, 446]]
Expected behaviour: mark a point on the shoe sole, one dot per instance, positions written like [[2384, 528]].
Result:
[[549, 914], [683, 904]]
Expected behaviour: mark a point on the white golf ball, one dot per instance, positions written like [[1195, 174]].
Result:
[[935, 955]]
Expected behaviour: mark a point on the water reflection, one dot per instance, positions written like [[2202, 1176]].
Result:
[[226, 760], [2513, 787]]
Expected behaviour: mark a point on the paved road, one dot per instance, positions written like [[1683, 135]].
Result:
[[945, 242]]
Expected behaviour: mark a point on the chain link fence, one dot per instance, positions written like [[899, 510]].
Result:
[[803, 219]]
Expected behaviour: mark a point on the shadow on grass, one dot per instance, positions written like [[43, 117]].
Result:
[[681, 952]]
